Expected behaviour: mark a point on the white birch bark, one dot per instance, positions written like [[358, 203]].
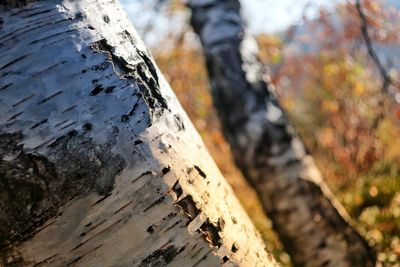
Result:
[[99, 164]]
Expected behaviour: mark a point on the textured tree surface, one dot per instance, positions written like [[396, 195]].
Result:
[[311, 224], [99, 164]]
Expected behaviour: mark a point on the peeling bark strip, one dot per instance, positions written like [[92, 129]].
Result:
[[311, 224], [99, 164], [143, 71]]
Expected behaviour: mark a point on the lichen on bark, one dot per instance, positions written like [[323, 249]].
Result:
[[34, 186]]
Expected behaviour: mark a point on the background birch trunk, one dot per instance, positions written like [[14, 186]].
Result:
[[310, 222], [99, 164]]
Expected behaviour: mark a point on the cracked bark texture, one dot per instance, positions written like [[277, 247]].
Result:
[[99, 164], [313, 227]]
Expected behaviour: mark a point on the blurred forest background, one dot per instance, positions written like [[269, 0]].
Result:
[[317, 59]]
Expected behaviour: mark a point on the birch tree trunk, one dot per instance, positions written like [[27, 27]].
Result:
[[310, 222], [99, 164]]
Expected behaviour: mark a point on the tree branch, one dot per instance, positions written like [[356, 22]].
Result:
[[387, 80]]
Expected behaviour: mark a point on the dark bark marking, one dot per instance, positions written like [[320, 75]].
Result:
[[39, 123], [225, 259], [41, 145], [210, 233], [138, 142], [158, 201], [13, 62], [162, 257], [9, 124], [87, 126], [325, 263], [51, 67], [134, 108], [95, 235], [177, 189], [202, 259], [166, 170], [15, 116], [27, 30], [110, 89], [106, 19], [235, 247], [196, 253], [45, 261], [94, 226], [61, 123], [150, 229], [100, 67], [36, 13], [69, 109], [140, 176], [97, 90], [188, 206], [123, 207], [101, 199], [68, 125], [34, 186], [23, 100], [179, 122], [74, 261], [5, 86], [126, 35], [172, 226], [49, 97], [126, 117], [221, 223], [51, 36], [80, 257], [200, 171], [21, 11]]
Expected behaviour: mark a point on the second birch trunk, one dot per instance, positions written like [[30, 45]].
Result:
[[312, 225]]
